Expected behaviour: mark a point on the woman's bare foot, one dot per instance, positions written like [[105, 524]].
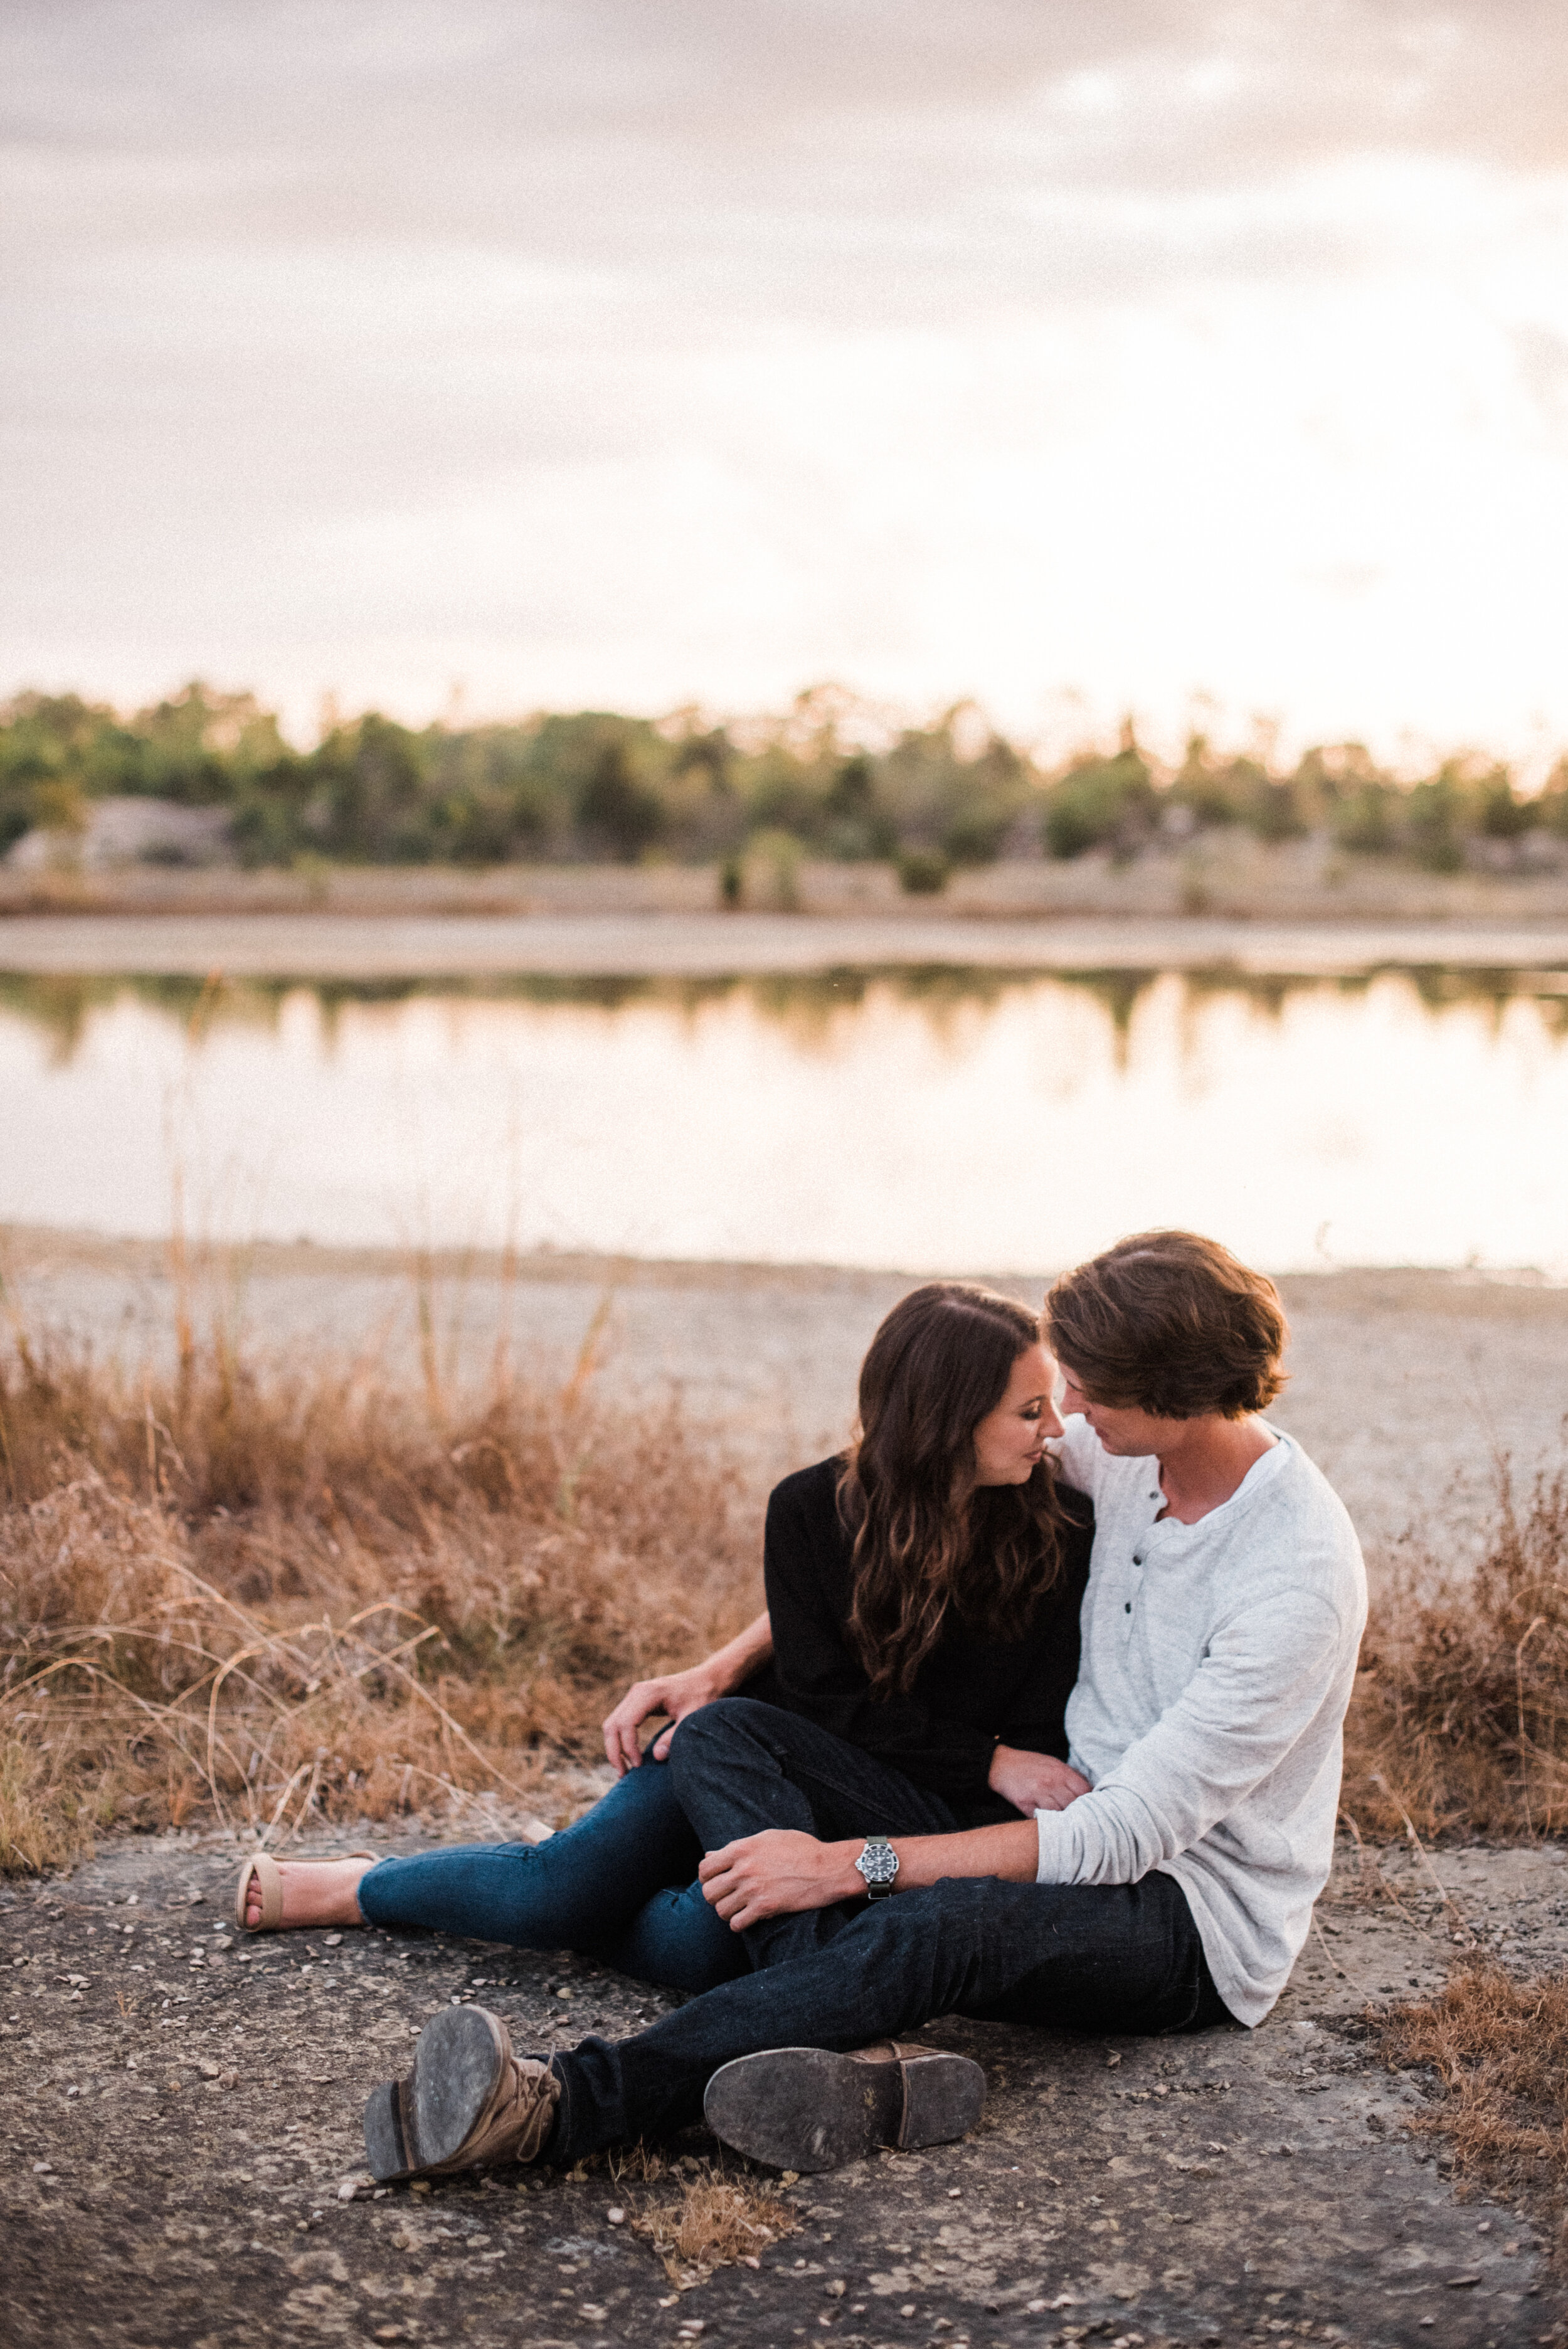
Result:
[[315, 1892]]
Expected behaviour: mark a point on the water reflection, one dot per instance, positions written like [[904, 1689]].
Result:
[[805, 1005], [907, 1116]]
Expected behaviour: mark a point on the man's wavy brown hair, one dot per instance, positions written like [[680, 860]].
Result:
[[1170, 1323], [928, 1543]]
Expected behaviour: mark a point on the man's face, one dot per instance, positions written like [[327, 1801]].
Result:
[[1127, 1434]]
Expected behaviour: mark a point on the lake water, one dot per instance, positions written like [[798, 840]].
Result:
[[911, 1119]]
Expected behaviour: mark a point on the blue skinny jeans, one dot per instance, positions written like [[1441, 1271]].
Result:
[[617, 1886]]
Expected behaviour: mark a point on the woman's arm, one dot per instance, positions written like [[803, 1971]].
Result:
[[678, 1693], [781, 1871]]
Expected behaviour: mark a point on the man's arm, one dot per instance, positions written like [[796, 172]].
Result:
[[1264, 1677], [678, 1693], [780, 1872], [1263, 1680]]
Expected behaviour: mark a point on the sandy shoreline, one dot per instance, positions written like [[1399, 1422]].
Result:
[[1404, 1386], [698, 945]]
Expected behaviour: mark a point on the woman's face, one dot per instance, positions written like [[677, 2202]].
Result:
[[1009, 1440]]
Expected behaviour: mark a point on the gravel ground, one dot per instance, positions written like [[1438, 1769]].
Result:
[[183, 2163]]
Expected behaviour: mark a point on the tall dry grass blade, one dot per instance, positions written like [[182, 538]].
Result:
[[1496, 2049], [312, 1595], [1458, 1723]]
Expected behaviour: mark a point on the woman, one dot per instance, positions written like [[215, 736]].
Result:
[[923, 1599]]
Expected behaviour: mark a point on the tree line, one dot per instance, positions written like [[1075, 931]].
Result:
[[597, 785]]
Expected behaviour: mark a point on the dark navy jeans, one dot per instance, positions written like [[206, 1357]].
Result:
[[1081, 1958], [618, 1885]]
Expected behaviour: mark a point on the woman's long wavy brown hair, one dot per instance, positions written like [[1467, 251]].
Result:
[[927, 1544]]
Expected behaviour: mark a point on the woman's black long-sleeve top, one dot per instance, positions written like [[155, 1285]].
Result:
[[969, 1692]]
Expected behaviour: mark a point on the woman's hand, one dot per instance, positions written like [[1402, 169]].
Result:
[[1033, 1782], [777, 1874], [678, 1693]]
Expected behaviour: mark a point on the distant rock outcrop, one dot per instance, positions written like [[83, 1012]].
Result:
[[128, 830]]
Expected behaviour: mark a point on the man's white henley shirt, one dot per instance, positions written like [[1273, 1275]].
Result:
[[1218, 1661]]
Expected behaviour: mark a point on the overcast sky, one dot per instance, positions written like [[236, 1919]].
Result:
[[1078, 357]]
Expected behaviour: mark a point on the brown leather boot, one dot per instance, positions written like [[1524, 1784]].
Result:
[[809, 2109], [468, 2104]]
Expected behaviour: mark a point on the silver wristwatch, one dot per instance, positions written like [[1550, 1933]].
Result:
[[878, 1863]]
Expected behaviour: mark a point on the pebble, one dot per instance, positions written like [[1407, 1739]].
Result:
[[617, 2217], [348, 2189]]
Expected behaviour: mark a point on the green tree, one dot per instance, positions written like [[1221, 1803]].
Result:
[[618, 811], [1103, 804]]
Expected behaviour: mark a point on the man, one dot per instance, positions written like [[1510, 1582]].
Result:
[[1224, 1610]]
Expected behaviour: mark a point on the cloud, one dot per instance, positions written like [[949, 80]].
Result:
[[592, 346]]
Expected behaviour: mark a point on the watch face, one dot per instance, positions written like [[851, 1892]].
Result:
[[878, 1863]]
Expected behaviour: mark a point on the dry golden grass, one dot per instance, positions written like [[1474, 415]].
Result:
[[1499, 2049], [1459, 1722], [717, 2221], [268, 1600]]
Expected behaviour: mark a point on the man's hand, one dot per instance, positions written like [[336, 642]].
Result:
[[777, 1874], [1033, 1782], [677, 1693]]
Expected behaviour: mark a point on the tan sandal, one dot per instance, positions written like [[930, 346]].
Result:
[[263, 1869]]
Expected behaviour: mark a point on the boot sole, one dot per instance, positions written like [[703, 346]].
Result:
[[416, 2123], [808, 2109]]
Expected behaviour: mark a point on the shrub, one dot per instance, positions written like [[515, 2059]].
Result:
[[923, 872]]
